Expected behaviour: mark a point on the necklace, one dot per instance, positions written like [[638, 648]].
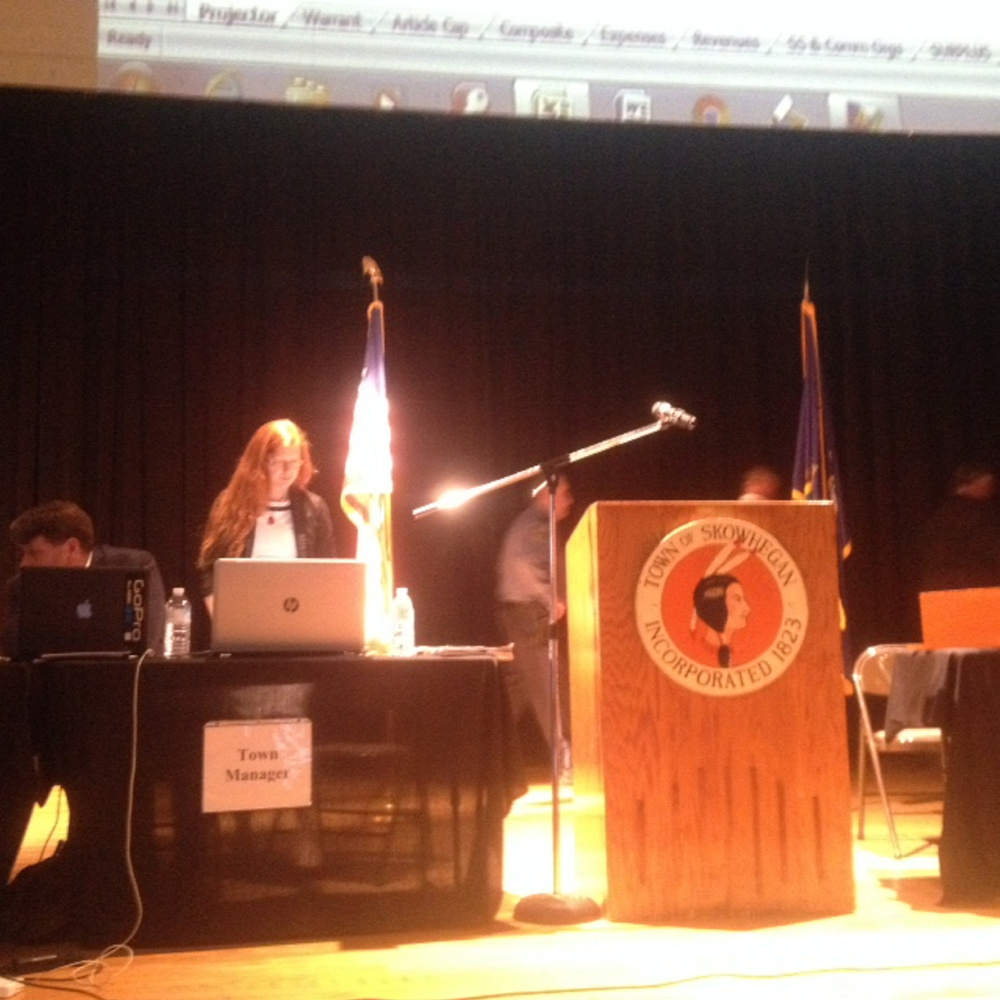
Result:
[[276, 508]]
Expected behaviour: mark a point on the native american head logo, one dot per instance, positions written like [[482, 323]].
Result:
[[721, 606]]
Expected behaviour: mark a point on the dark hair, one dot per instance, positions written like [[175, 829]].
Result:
[[710, 600], [56, 521], [758, 474]]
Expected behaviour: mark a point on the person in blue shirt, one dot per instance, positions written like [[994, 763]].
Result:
[[523, 604]]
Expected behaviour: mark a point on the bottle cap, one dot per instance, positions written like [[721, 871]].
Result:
[[178, 591]]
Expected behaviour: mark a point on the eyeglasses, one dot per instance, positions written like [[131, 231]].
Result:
[[283, 464]]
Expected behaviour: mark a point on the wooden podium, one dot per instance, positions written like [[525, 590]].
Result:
[[702, 789]]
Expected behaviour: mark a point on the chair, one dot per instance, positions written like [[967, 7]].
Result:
[[894, 670], [369, 821], [372, 807]]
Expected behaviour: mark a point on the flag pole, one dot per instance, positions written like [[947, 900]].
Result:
[[809, 309], [816, 474], [374, 274], [366, 494]]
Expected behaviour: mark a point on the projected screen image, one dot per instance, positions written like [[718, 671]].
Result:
[[772, 64]]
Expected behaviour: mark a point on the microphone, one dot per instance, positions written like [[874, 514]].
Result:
[[673, 416]]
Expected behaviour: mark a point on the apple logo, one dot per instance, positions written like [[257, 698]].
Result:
[[85, 609]]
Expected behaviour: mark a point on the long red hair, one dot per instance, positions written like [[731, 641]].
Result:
[[237, 507]]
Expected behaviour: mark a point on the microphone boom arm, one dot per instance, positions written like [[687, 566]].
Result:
[[554, 908], [668, 417]]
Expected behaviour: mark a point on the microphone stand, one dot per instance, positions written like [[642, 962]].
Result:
[[555, 907]]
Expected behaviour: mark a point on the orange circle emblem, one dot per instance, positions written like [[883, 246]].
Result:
[[721, 607]]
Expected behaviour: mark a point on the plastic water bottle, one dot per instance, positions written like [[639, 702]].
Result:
[[403, 641], [177, 636]]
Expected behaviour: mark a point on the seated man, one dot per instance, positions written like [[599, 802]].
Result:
[[60, 533]]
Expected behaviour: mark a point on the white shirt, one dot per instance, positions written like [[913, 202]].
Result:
[[274, 535]]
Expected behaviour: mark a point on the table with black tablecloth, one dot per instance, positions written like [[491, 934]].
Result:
[[958, 689], [969, 851], [19, 785], [414, 766]]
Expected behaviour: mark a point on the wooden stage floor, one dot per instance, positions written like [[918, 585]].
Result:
[[899, 944]]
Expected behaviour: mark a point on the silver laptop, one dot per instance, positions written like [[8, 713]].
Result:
[[288, 606]]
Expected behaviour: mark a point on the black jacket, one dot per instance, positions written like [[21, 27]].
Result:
[[313, 532]]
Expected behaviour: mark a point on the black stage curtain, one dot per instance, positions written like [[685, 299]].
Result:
[[174, 273]]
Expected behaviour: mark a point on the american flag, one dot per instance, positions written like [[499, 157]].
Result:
[[366, 496]]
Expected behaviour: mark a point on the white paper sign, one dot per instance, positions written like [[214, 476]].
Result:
[[262, 764]]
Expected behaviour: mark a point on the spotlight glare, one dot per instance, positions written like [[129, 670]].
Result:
[[452, 498]]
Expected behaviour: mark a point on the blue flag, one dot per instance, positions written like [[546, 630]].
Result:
[[367, 491], [816, 475]]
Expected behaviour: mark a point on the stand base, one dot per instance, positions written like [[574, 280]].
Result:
[[548, 908]]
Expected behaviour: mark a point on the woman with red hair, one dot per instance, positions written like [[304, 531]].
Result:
[[266, 511]]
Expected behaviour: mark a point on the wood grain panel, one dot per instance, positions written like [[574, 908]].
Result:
[[702, 804]]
